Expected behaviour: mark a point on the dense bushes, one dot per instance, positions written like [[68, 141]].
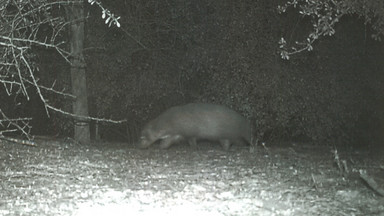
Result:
[[226, 52]]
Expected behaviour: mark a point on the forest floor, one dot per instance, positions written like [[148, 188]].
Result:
[[58, 177]]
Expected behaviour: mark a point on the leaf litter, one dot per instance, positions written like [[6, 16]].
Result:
[[57, 178]]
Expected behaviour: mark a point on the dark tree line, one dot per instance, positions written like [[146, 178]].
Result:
[[168, 53]]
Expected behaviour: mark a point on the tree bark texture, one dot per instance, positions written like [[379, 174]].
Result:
[[78, 76]]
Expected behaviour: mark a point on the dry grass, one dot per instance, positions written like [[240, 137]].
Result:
[[58, 178]]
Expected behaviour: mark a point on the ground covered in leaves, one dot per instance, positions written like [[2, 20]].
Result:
[[60, 177]]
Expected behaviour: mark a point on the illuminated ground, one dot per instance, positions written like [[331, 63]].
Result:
[[59, 178]]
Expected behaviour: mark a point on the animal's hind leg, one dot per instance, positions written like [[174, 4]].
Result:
[[192, 142], [168, 141], [226, 144]]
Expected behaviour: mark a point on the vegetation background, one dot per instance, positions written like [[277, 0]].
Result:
[[172, 52]]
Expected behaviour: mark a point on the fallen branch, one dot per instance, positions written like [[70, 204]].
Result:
[[19, 141]]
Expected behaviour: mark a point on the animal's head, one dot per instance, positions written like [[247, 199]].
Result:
[[149, 135]]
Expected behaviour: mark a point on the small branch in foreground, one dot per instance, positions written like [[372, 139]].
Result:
[[85, 118], [25, 128], [51, 89], [19, 141]]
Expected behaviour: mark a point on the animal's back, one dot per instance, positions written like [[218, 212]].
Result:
[[198, 121]]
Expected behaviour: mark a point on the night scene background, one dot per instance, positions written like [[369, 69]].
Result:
[[316, 114]]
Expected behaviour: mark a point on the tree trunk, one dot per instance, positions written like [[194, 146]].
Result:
[[78, 77]]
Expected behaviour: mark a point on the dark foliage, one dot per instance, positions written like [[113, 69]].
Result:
[[168, 53]]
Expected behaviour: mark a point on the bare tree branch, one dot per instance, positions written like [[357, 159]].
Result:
[[20, 27]]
